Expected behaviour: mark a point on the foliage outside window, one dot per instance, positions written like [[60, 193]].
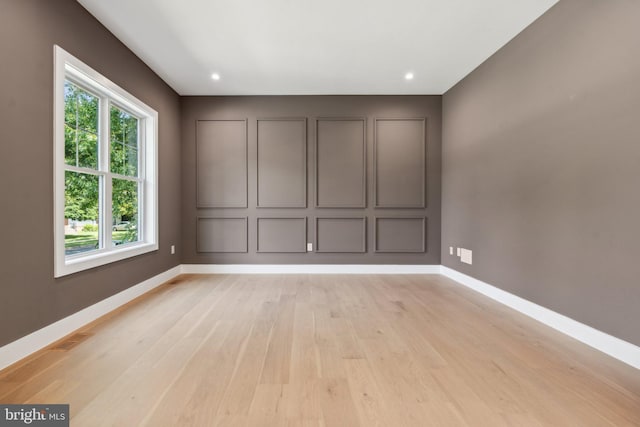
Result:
[[105, 151]]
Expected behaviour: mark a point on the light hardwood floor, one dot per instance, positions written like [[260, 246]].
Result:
[[324, 350]]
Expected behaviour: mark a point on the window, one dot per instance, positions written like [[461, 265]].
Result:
[[105, 192]]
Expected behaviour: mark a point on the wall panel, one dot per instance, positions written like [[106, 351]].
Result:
[[400, 163], [282, 163], [222, 235], [341, 235], [400, 234], [340, 165], [221, 163], [282, 235]]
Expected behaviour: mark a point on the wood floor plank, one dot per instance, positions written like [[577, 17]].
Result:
[[305, 365], [324, 351], [239, 394], [336, 402], [278, 358], [266, 407], [301, 401], [368, 398]]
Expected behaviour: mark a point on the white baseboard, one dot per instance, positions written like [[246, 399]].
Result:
[[608, 344], [23, 347], [308, 269]]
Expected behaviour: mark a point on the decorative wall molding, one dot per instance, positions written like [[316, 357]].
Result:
[[282, 236], [229, 244], [401, 186], [422, 234], [363, 240], [337, 180], [277, 178], [210, 162]]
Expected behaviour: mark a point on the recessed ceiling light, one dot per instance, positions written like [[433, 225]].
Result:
[[408, 76], [215, 76]]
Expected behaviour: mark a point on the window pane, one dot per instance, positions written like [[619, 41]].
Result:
[[124, 142], [81, 195], [70, 104], [125, 212], [81, 148], [131, 161], [87, 149], [131, 131], [116, 125], [70, 146], [81, 126], [118, 154]]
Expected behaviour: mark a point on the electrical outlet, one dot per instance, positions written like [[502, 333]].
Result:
[[466, 256], [309, 247], [457, 251], [173, 249], [450, 250]]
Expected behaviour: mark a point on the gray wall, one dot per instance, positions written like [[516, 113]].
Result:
[[357, 176], [541, 165], [30, 298]]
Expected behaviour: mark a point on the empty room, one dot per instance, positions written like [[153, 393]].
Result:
[[330, 213]]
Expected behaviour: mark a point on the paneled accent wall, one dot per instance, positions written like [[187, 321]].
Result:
[[357, 177]]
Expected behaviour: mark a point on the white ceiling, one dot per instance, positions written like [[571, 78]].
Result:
[[295, 47]]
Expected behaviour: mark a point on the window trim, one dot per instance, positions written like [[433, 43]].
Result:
[[68, 67]]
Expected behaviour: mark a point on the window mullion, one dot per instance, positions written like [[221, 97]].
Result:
[[107, 187], [86, 171], [126, 177]]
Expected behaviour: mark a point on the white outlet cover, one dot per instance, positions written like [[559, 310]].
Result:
[[309, 247], [458, 251], [450, 250], [173, 249], [466, 256]]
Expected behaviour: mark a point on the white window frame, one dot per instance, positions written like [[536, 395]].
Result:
[[67, 67]]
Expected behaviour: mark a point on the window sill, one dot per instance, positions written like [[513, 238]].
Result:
[[77, 264]]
